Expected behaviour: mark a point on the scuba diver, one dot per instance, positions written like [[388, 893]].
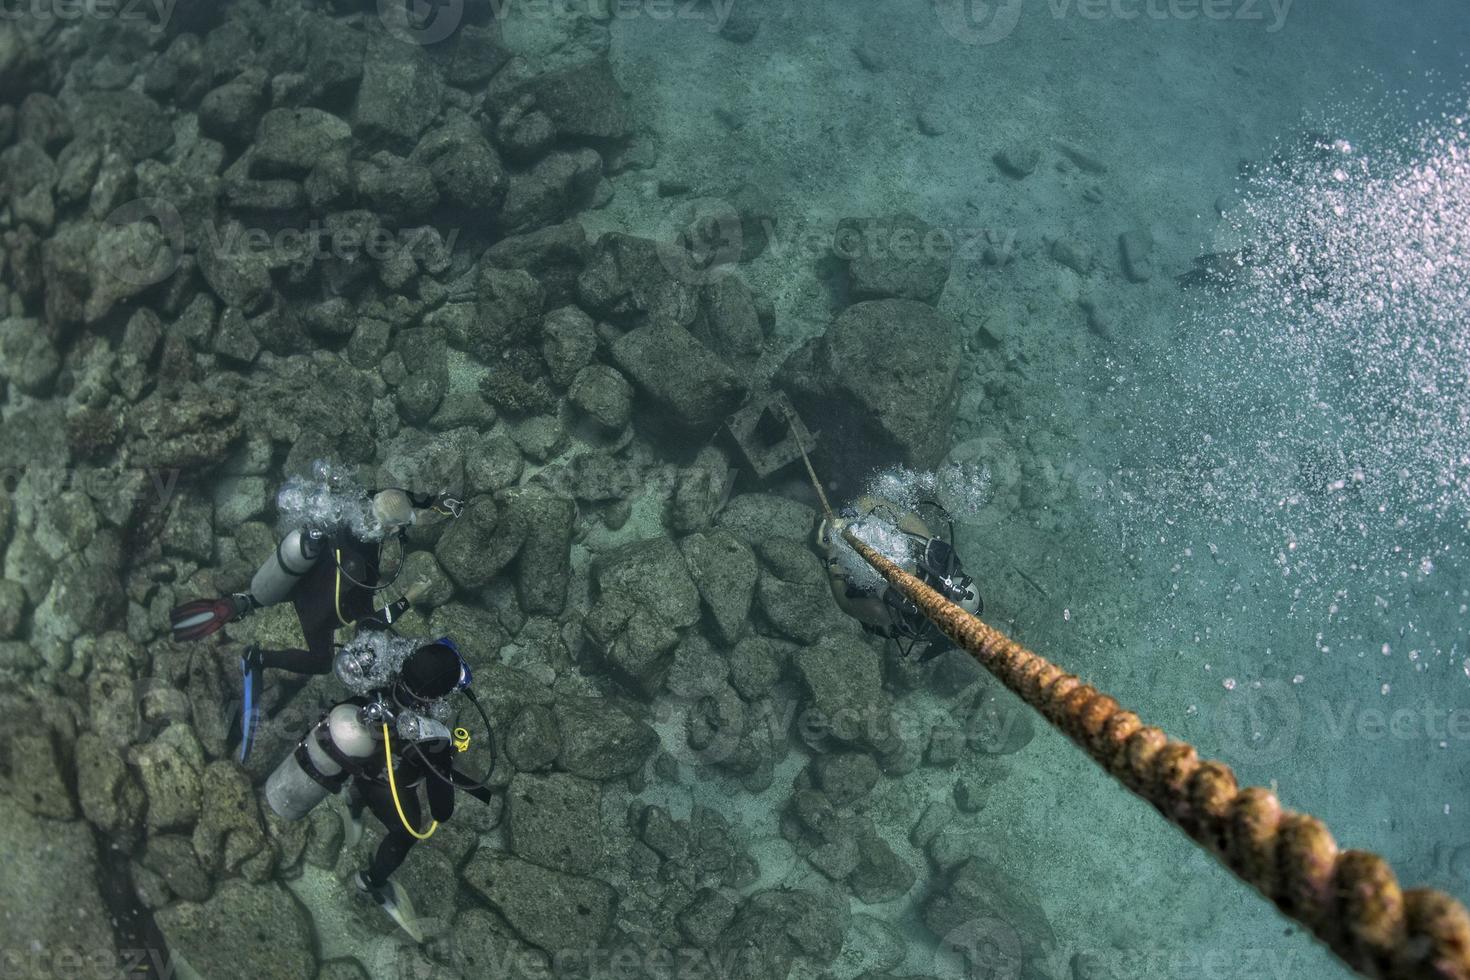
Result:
[[907, 541], [327, 594], [380, 746], [904, 538]]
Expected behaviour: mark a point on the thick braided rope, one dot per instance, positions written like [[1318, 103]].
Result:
[[1350, 900]]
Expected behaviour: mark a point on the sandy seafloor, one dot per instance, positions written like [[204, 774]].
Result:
[[1189, 621]]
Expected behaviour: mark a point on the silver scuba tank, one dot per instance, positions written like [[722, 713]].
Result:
[[291, 791], [294, 557]]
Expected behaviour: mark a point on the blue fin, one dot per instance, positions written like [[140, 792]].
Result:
[[250, 715]]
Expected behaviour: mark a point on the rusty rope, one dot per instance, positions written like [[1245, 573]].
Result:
[[1350, 900]]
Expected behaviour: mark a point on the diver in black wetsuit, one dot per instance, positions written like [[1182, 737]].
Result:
[[331, 577], [381, 746], [426, 677]]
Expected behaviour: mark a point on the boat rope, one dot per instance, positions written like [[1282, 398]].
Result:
[[1350, 900]]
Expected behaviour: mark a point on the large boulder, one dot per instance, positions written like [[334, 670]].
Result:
[[55, 917], [724, 570], [398, 97], [987, 917], [291, 142], [465, 167], [192, 430], [653, 573], [544, 569], [215, 937], [600, 740], [686, 384], [549, 909], [584, 102], [129, 121], [895, 257], [883, 382], [843, 683], [553, 821]]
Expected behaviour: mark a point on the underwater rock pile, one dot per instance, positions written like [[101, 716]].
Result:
[[187, 325]]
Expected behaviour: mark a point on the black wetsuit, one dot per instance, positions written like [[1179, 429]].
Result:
[[369, 789], [326, 598]]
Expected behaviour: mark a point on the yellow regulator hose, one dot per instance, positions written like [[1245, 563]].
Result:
[[393, 788]]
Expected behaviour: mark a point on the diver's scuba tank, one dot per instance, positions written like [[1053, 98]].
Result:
[[331, 751], [293, 558]]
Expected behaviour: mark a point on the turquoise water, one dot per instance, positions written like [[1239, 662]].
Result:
[[1165, 302]]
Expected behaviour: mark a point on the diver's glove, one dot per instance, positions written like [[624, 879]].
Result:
[[440, 503], [205, 617]]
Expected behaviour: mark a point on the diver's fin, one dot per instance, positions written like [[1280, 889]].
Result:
[[400, 910], [250, 664], [395, 902], [202, 617]]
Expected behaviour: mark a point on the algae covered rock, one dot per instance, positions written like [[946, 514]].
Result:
[[55, 918], [218, 935], [653, 573], [689, 386], [192, 430], [899, 257], [724, 570], [549, 909], [843, 682], [601, 740], [553, 820], [883, 380]]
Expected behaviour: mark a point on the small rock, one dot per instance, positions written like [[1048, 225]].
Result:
[[603, 395], [1136, 247], [1018, 161], [1072, 254], [1083, 158], [931, 122], [567, 344]]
